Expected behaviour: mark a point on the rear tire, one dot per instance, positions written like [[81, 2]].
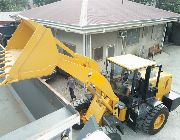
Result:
[[81, 106], [155, 119]]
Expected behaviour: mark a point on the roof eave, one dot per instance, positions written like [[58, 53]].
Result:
[[93, 29]]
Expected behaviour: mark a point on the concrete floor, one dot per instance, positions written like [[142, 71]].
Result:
[[11, 114], [170, 59]]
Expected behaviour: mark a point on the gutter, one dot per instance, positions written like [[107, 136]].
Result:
[[94, 29]]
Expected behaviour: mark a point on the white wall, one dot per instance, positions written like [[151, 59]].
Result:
[[106, 39], [111, 38], [72, 38], [149, 40]]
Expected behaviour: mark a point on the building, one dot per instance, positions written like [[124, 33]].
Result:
[[100, 29], [7, 26], [5, 17]]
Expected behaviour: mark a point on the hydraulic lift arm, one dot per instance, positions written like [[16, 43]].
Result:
[[33, 52]]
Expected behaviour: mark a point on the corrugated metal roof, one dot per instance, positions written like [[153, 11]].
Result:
[[91, 13], [5, 16]]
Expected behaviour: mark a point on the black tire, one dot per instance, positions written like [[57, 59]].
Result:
[[81, 106], [112, 133], [149, 120]]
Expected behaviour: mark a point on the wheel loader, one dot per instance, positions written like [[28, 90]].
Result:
[[135, 91]]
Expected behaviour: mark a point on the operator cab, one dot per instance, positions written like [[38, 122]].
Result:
[[129, 76]]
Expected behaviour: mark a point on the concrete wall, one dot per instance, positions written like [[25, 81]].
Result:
[[150, 39], [105, 40], [153, 36], [72, 38]]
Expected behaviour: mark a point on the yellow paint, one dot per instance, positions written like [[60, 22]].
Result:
[[122, 114], [164, 86], [96, 109], [33, 52], [159, 121], [165, 82]]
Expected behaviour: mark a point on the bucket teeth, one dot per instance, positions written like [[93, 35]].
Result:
[[5, 59], [3, 51], [4, 62], [2, 58], [3, 54], [7, 66], [3, 75]]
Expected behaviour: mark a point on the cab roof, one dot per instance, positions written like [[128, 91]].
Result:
[[131, 62]]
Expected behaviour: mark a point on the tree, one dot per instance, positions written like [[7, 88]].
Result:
[[146, 2], [43, 2], [171, 5], [12, 5]]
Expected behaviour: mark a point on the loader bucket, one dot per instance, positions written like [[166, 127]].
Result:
[[31, 52]]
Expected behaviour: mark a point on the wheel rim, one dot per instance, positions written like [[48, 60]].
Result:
[[82, 115], [159, 121]]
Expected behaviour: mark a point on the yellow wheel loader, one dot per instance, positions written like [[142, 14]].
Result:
[[135, 90]]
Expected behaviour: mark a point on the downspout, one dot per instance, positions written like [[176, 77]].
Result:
[[87, 48], [123, 45], [83, 22], [84, 44], [55, 32], [90, 47]]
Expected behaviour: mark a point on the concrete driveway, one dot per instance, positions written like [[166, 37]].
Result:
[[170, 59]]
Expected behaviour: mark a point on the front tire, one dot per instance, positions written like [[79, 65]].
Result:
[[155, 119]]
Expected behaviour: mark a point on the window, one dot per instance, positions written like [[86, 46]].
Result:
[[117, 70], [98, 53], [132, 36], [111, 51]]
